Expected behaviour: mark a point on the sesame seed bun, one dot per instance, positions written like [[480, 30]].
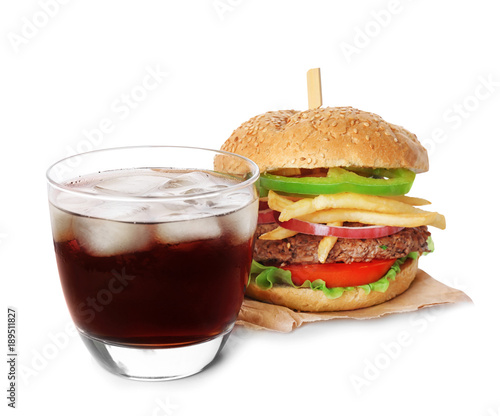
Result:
[[308, 300], [326, 137]]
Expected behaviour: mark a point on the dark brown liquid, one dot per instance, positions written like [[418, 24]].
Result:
[[169, 295]]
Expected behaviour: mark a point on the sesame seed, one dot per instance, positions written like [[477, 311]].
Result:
[[355, 130]]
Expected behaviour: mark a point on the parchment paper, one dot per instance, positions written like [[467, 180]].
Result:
[[423, 292]]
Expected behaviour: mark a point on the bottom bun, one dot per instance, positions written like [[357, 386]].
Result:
[[308, 300]]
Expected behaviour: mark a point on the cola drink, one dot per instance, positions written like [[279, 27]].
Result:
[[154, 273]]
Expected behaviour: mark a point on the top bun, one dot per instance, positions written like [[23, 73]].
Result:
[[326, 137]]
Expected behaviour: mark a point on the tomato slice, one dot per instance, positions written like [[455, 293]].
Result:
[[340, 274]]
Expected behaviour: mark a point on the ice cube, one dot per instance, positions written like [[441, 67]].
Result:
[[133, 185], [191, 191], [61, 209], [67, 201], [62, 225], [179, 210], [109, 228], [207, 188], [240, 224], [184, 182], [190, 183], [188, 230], [119, 211], [75, 203], [103, 238]]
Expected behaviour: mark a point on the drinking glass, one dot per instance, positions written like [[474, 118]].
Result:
[[154, 247]]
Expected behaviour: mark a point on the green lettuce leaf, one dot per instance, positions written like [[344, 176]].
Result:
[[267, 276], [430, 246]]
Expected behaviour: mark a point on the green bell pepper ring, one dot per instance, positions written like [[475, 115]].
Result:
[[398, 182]]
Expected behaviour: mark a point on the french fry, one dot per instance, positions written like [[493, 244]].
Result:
[[439, 221], [278, 202], [327, 243], [408, 217], [278, 233], [365, 202], [377, 218], [324, 247], [346, 200], [297, 209], [410, 200]]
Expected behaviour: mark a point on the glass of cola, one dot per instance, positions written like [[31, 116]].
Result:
[[154, 247]]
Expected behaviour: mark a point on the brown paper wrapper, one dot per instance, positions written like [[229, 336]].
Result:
[[423, 292]]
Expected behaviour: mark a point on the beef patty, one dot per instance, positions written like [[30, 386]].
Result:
[[303, 248]]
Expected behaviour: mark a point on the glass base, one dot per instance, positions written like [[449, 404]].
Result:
[[155, 364]]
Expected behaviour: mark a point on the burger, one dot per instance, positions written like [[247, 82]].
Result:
[[336, 229]]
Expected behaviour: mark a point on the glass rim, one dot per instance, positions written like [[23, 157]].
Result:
[[254, 169]]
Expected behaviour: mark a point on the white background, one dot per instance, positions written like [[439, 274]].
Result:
[[431, 66]]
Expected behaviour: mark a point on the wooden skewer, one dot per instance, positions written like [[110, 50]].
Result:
[[315, 99]]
